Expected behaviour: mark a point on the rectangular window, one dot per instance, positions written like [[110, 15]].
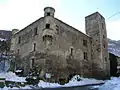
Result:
[[35, 31], [47, 25], [85, 55], [57, 29], [19, 40], [105, 59], [71, 51], [18, 51], [48, 14], [103, 36], [104, 45], [34, 47], [32, 62], [85, 43], [102, 25]]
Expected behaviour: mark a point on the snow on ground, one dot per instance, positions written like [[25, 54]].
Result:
[[113, 84], [72, 82], [83, 81], [43, 84], [8, 88], [1, 39], [18, 70], [10, 76]]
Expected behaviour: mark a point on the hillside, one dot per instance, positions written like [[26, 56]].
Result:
[[5, 37], [5, 34], [114, 47]]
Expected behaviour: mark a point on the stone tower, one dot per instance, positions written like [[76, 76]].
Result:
[[48, 31], [49, 11], [95, 27]]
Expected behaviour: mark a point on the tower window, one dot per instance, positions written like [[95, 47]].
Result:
[[48, 14], [19, 40], [85, 43], [34, 47], [47, 25], [85, 55], [35, 31]]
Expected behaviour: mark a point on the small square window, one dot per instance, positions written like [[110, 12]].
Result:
[[48, 14], [47, 25]]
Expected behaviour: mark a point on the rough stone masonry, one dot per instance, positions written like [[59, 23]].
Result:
[[58, 49]]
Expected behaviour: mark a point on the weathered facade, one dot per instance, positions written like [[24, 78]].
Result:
[[56, 48]]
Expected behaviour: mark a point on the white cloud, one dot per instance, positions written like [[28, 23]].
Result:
[[113, 29]]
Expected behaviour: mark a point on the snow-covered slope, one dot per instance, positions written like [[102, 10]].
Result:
[[114, 47], [4, 34]]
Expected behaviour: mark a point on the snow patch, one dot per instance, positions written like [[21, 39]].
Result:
[[18, 70], [72, 82], [1, 39], [113, 84], [111, 44], [48, 85], [10, 76]]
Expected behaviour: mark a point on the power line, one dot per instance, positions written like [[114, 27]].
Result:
[[113, 15]]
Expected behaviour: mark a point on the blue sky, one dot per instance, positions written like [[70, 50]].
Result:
[[20, 13]]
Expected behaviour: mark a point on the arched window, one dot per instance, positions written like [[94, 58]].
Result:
[[47, 39]]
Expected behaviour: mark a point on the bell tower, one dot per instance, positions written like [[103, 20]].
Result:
[[96, 29], [49, 30], [49, 11]]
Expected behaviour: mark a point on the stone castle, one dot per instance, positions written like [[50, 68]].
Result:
[[59, 49]]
